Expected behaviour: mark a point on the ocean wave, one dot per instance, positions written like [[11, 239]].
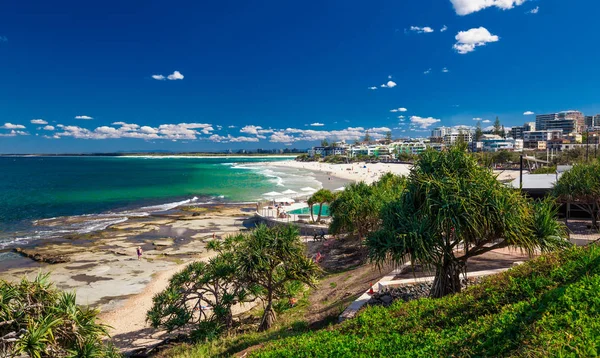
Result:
[[168, 206]]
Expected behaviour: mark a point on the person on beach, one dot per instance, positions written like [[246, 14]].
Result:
[[139, 252]]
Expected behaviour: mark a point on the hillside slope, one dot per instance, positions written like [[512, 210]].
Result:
[[549, 306]]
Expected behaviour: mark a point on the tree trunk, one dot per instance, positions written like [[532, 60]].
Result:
[[594, 218], [268, 316], [312, 216], [447, 278], [320, 210]]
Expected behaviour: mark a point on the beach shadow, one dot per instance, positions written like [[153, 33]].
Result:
[[140, 343]]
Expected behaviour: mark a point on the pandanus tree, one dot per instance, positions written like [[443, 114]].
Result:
[[356, 210], [270, 259], [321, 197], [452, 210], [580, 186], [201, 296], [38, 320]]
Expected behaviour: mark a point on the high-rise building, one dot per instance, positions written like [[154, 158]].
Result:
[[517, 132], [440, 132], [592, 121], [567, 121]]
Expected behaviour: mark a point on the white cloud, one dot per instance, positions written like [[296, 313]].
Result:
[[466, 41], [13, 133], [421, 30], [159, 77], [428, 71], [83, 117], [231, 139], [486, 121], [445, 70], [48, 128], [175, 76], [389, 84], [444, 28], [12, 126], [528, 113], [423, 123], [251, 129], [535, 10], [316, 124], [465, 7], [230, 127], [281, 137], [401, 109], [38, 121], [372, 88], [476, 119]]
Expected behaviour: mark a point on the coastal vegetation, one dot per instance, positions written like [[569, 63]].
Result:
[[545, 307], [580, 187], [267, 264], [322, 196], [451, 210], [356, 210], [38, 320]]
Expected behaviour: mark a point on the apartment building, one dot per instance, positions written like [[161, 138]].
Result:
[[566, 121]]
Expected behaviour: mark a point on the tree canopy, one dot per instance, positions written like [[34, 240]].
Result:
[[320, 197], [356, 210], [263, 264], [451, 210], [38, 320], [581, 186], [271, 258]]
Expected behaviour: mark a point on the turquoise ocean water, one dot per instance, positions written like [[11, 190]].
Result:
[[106, 190]]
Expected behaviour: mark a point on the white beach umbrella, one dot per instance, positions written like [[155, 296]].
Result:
[[289, 191], [308, 189], [285, 200], [272, 193]]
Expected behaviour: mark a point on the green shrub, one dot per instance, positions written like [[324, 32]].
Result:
[[547, 307], [38, 320]]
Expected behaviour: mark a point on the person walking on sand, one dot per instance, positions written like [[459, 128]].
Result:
[[139, 252]]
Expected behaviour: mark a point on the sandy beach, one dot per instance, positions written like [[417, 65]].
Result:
[[366, 172]]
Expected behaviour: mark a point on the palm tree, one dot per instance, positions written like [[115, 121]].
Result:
[[452, 210], [271, 258], [320, 197]]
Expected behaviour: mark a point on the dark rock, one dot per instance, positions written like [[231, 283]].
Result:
[[36, 256]]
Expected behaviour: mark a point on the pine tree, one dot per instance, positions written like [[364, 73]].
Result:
[[497, 127], [367, 138], [478, 131]]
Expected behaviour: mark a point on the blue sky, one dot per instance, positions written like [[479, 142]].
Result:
[[283, 66]]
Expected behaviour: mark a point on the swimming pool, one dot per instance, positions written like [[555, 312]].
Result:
[[306, 211]]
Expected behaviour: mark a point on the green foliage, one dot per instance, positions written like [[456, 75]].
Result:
[[545, 170], [267, 263], [335, 159], [38, 320], [581, 186], [548, 307], [450, 202], [320, 197], [497, 126], [201, 296], [478, 131], [272, 259], [356, 209]]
